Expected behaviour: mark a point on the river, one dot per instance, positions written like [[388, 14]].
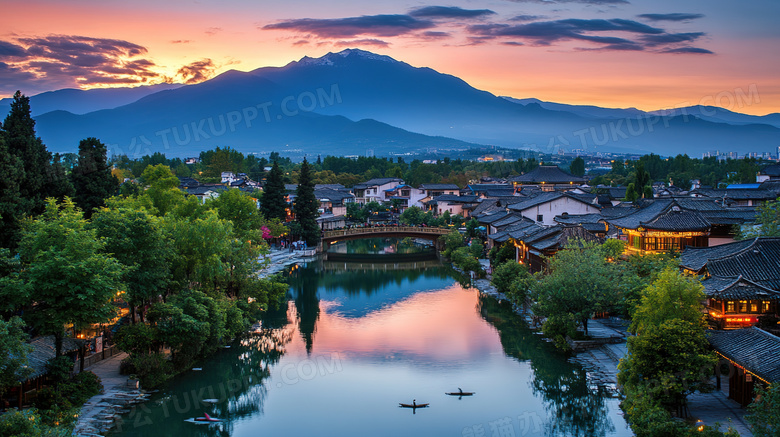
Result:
[[356, 339]]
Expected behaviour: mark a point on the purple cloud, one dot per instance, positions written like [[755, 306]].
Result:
[[350, 27], [449, 12], [677, 16]]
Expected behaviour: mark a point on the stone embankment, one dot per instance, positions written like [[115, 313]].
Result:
[[100, 412]]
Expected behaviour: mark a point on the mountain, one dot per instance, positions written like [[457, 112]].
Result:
[[311, 105], [84, 101]]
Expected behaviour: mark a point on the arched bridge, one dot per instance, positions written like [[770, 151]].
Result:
[[433, 234]]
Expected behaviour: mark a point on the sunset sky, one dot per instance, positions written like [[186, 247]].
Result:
[[616, 53]]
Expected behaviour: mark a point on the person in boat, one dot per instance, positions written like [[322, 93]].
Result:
[[414, 403], [460, 390]]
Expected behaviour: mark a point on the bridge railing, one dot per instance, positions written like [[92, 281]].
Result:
[[384, 230]]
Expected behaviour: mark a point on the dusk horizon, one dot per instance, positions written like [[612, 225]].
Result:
[[608, 53]]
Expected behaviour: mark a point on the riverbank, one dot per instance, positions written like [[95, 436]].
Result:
[[99, 413], [278, 259], [601, 365]]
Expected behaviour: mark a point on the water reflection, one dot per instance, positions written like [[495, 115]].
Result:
[[573, 409], [373, 335]]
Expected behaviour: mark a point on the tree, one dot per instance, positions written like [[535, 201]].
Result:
[[580, 283], [306, 205], [273, 204], [11, 180], [672, 295], [577, 167], [239, 208], [507, 273], [163, 188], [767, 222], [764, 413], [22, 142], [92, 178], [66, 273], [135, 238], [13, 353], [668, 362], [412, 216], [642, 180]]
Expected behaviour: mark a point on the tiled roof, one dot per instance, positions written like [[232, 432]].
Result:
[[508, 220], [678, 221], [333, 195], [330, 186], [563, 236], [617, 193], [544, 198], [738, 289], [376, 182], [499, 192], [487, 206], [758, 262], [490, 218], [771, 170], [452, 198], [548, 174], [439, 187], [754, 349], [577, 219], [695, 258], [730, 216], [43, 351]]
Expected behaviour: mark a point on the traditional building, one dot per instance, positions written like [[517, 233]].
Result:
[[374, 190], [548, 177], [742, 280], [547, 205], [754, 359]]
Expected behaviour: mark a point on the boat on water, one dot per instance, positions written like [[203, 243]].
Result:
[[460, 392], [414, 404], [207, 418]]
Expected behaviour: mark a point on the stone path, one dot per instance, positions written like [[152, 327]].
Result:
[[98, 413], [717, 407]]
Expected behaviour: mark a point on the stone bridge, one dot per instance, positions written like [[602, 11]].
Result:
[[427, 233]]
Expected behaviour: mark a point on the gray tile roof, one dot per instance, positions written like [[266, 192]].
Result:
[[695, 258], [737, 289], [752, 348], [376, 182], [43, 351], [678, 221], [758, 262], [549, 174], [439, 187], [545, 197]]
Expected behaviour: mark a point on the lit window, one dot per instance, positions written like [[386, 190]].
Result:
[[730, 306]]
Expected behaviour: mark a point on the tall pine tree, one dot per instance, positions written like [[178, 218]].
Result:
[[306, 205], [273, 203], [92, 178], [27, 166]]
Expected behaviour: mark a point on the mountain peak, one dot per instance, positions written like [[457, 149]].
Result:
[[332, 58]]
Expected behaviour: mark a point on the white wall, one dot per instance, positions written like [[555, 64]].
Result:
[[549, 210]]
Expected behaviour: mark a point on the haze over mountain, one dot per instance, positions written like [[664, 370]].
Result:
[[353, 100]]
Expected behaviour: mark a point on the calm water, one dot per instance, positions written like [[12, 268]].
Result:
[[357, 339]]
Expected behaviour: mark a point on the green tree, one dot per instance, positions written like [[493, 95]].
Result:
[[612, 248], [273, 203], [667, 363], [631, 194], [580, 283], [767, 222], [452, 241], [135, 238], [505, 274], [306, 205], [163, 188], [412, 216], [577, 167], [239, 208], [13, 353], [92, 178], [11, 204], [673, 295], [66, 273], [22, 142], [764, 413]]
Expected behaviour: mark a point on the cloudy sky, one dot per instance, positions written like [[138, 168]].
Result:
[[617, 53]]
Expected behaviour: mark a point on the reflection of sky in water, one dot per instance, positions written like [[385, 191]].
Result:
[[409, 335], [360, 304]]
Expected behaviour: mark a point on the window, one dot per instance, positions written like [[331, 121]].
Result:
[[753, 307], [743, 306], [540, 218], [765, 306], [730, 306]]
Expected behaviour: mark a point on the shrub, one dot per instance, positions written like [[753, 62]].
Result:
[[136, 339], [27, 423], [59, 368], [152, 369], [500, 254], [506, 273], [476, 248], [463, 259]]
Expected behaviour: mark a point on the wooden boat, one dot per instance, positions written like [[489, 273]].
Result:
[[414, 404], [460, 392], [207, 418]]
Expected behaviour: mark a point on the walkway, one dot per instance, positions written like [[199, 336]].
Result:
[[717, 407], [98, 413]]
